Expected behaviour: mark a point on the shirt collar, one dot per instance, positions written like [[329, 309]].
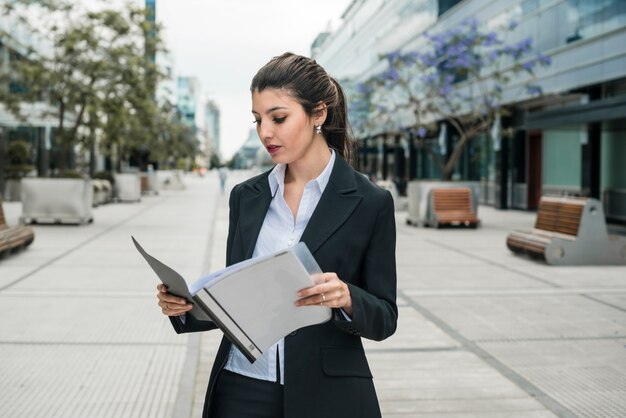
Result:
[[277, 175]]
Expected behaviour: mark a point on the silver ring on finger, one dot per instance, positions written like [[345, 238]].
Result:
[[323, 298]]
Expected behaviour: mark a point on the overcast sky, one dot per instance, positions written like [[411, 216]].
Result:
[[224, 43]]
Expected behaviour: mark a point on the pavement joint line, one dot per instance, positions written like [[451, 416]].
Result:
[[187, 384], [412, 350], [206, 266], [81, 244], [103, 295], [94, 343], [183, 407], [619, 308], [549, 339], [507, 292], [535, 392], [494, 263], [455, 398]]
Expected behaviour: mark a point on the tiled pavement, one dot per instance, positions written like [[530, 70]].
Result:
[[482, 333]]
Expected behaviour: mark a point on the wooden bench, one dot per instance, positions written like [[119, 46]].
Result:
[[13, 237], [452, 206], [569, 231]]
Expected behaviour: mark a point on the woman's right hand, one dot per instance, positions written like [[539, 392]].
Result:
[[171, 305]]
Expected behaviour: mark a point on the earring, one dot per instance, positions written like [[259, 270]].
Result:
[[318, 129]]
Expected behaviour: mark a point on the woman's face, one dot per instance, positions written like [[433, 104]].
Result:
[[285, 129]]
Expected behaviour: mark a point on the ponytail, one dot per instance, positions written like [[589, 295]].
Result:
[[337, 129]]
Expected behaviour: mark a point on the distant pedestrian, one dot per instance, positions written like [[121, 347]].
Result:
[[311, 195], [223, 173]]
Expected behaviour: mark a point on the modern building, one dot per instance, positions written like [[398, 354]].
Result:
[[167, 88], [189, 105], [38, 120], [572, 140], [212, 127], [188, 100], [246, 156], [320, 39]]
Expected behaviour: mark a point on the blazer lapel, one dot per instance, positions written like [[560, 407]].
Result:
[[255, 200], [335, 206]]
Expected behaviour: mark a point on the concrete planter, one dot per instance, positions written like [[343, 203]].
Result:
[[12, 190], [52, 200], [418, 193], [128, 187]]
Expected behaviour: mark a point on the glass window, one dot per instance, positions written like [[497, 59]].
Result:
[[529, 6], [562, 156], [445, 5], [594, 17]]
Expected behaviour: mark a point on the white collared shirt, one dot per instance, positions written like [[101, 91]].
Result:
[[280, 231]]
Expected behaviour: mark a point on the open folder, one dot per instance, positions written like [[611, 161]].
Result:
[[252, 302]]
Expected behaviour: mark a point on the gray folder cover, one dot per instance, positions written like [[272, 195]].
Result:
[[252, 302]]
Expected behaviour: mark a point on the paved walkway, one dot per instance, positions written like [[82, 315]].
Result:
[[482, 333]]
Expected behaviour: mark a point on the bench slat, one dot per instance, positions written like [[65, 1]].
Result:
[[13, 237], [453, 205], [556, 218]]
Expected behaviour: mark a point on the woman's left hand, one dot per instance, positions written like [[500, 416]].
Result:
[[331, 292]]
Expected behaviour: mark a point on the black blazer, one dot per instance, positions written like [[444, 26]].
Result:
[[352, 233]]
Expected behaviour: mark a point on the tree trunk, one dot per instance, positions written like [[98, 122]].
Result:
[[72, 135], [92, 141], [454, 157], [62, 142], [81, 112], [433, 155], [3, 153]]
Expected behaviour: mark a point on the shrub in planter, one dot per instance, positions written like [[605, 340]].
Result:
[[72, 174], [104, 175], [18, 157], [16, 172]]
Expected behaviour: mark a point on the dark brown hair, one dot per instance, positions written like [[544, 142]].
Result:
[[307, 82]]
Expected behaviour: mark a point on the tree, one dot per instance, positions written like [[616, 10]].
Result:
[[175, 139], [460, 77], [97, 74]]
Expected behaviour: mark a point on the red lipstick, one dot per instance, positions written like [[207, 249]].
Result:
[[272, 148]]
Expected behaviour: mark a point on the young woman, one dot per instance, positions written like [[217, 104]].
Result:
[[311, 195]]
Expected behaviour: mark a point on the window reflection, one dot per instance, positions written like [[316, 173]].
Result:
[[572, 20], [594, 17]]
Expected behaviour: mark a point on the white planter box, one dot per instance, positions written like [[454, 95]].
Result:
[[128, 187], [52, 200], [12, 190], [418, 192]]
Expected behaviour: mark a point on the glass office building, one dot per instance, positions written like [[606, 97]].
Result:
[[572, 140]]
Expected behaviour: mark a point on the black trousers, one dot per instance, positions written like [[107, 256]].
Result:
[[238, 396]]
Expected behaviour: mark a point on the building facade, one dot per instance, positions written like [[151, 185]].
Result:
[[246, 156], [212, 127], [571, 140], [188, 98], [37, 123]]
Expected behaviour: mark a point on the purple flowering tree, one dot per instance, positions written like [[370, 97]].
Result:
[[459, 77]]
